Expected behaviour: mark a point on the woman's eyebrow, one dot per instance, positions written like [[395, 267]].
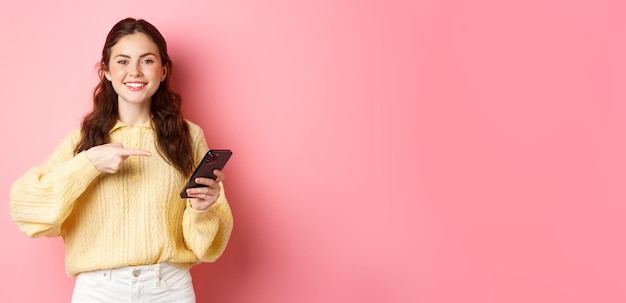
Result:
[[141, 56]]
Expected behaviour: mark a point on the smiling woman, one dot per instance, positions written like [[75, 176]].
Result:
[[111, 188], [134, 73]]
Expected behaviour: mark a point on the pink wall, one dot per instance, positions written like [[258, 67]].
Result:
[[385, 151]]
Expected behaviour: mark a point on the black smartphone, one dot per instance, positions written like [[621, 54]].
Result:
[[214, 159]]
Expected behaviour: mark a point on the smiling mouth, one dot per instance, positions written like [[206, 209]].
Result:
[[135, 84]]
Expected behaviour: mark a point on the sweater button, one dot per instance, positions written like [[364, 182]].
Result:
[[136, 272]]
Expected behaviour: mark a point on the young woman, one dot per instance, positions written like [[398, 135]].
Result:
[[112, 187]]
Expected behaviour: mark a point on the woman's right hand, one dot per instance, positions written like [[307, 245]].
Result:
[[108, 158]]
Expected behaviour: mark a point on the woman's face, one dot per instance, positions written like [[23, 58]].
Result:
[[135, 69]]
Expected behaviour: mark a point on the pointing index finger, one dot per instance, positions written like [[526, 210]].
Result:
[[136, 152]]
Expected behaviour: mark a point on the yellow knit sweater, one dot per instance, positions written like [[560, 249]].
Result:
[[132, 217]]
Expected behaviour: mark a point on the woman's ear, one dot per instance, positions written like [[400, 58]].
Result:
[[105, 69], [164, 72]]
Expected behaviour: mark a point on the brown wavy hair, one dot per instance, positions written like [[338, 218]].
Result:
[[172, 132]]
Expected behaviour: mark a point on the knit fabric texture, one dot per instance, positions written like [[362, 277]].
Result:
[[132, 217]]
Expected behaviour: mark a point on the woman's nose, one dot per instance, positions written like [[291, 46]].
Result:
[[135, 69]]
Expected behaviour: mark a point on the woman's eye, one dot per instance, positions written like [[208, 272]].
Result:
[[121, 62], [148, 61]]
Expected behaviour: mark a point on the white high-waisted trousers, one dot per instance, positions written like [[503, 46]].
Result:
[[159, 283]]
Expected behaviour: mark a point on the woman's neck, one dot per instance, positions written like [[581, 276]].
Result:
[[134, 115]]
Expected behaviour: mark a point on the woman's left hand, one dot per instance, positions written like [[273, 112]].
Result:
[[203, 197]]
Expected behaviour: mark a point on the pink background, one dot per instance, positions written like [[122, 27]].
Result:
[[384, 151]]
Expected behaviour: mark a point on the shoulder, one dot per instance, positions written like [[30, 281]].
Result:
[[194, 129], [74, 133], [191, 124], [65, 149], [72, 138], [197, 138]]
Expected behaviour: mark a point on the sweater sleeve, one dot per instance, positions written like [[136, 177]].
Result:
[[44, 196], [207, 232]]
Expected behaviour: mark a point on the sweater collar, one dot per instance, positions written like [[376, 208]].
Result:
[[119, 125]]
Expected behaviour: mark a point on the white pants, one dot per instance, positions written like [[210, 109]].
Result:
[[151, 283]]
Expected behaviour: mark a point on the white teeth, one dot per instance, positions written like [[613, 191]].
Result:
[[134, 85]]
